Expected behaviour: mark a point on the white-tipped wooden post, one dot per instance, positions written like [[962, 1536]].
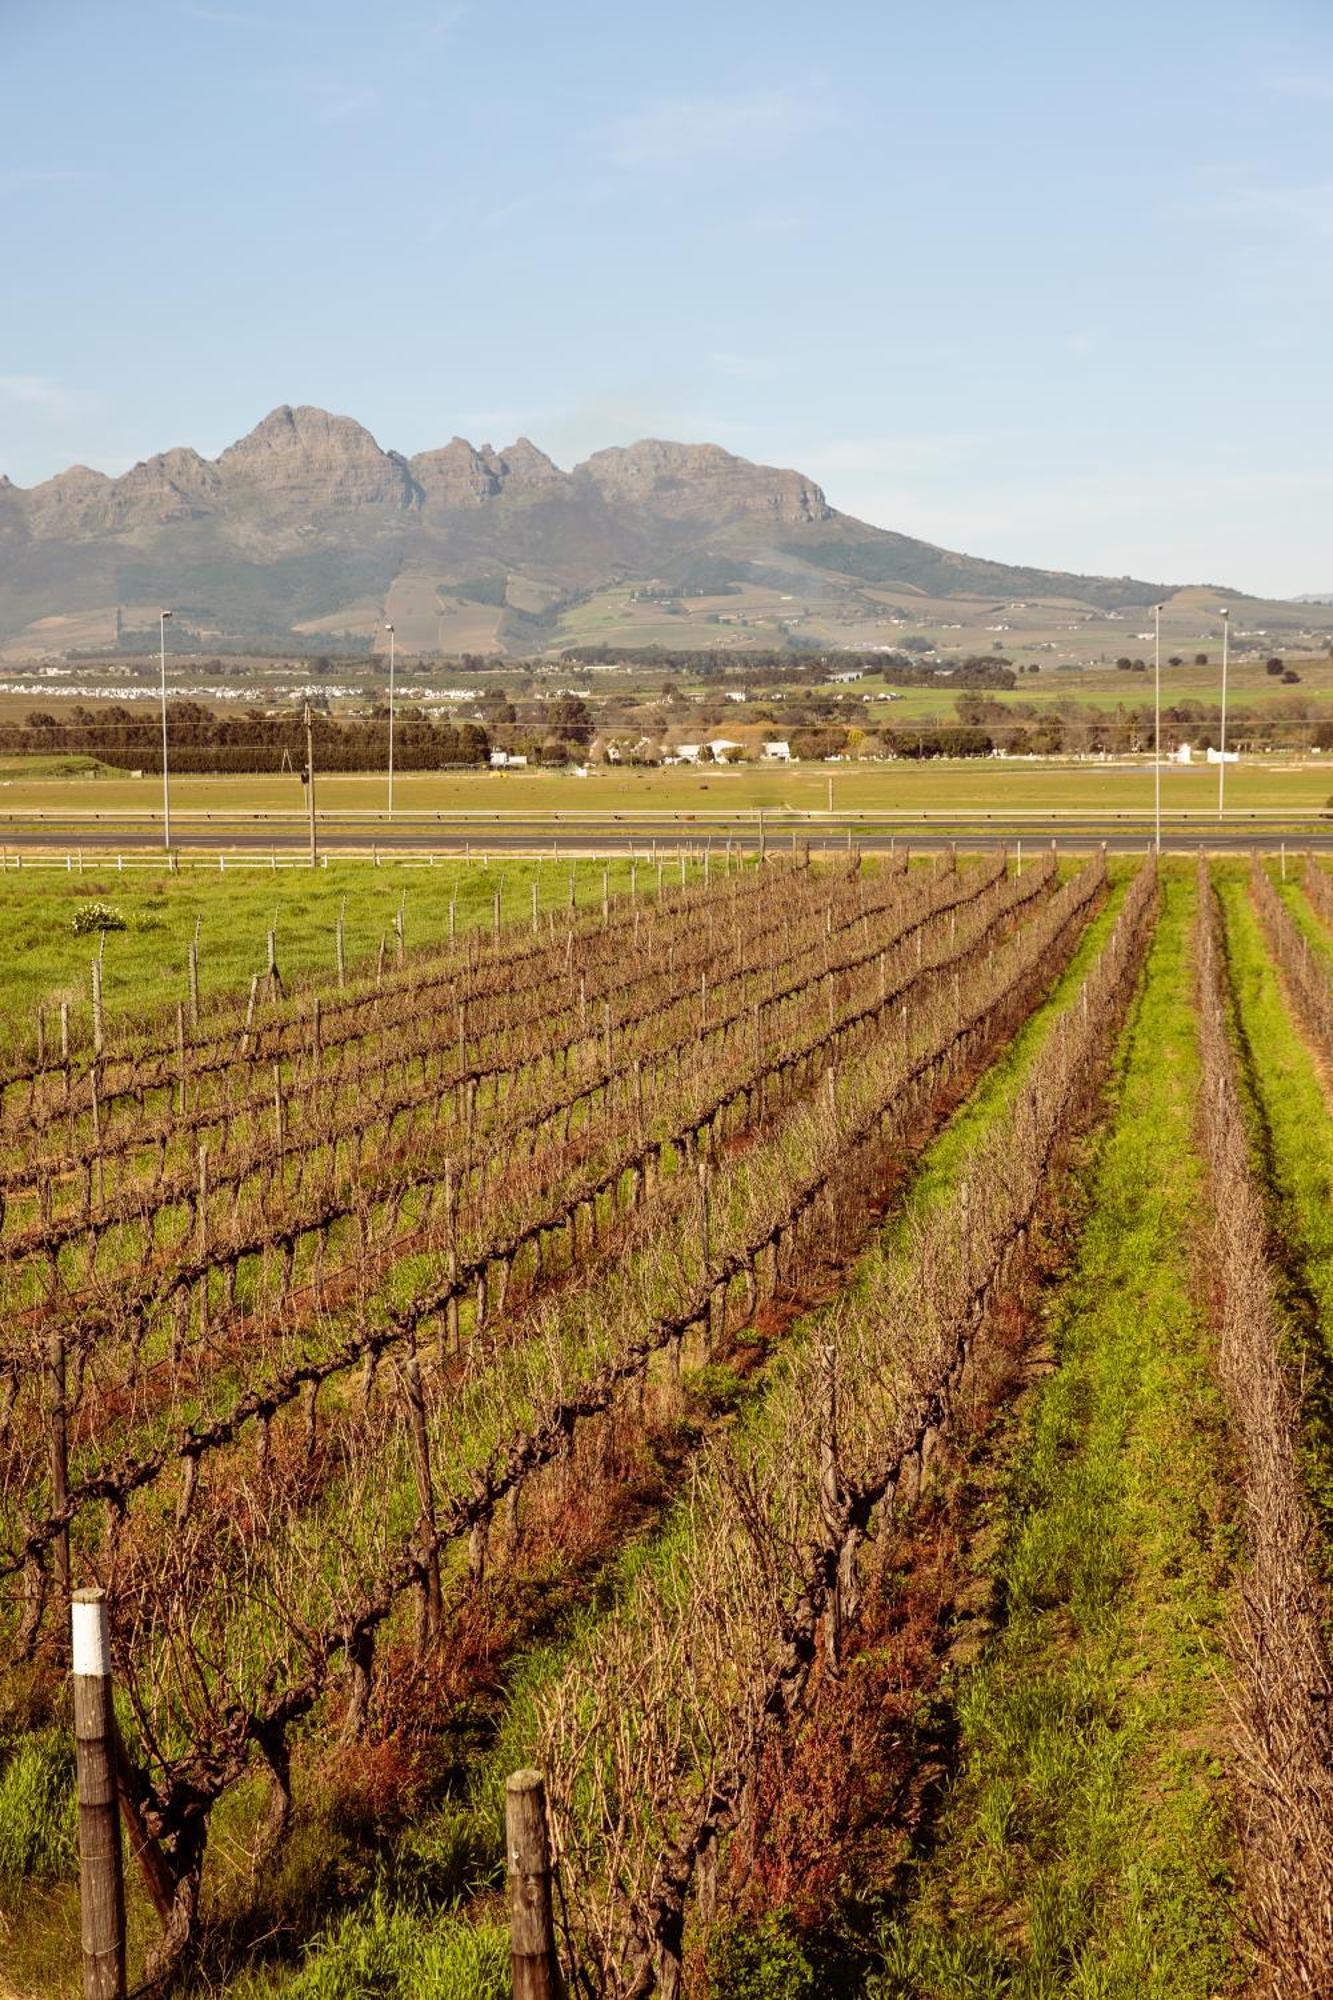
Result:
[[101, 1868], [531, 1918]]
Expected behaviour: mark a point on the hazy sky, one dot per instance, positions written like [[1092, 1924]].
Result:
[[1051, 283]]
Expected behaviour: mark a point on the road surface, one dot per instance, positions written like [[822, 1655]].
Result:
[[57, 833]]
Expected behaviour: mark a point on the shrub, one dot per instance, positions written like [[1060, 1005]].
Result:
[[714, 1385], [761, 1962], [91, 917]]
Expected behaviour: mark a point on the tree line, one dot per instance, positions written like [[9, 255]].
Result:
[[199, 740], [899, 669]]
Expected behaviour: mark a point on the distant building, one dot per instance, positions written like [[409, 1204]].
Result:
[[778, 753], [1222, 756]]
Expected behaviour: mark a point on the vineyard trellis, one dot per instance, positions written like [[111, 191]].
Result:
[[1285, 1748], [784, 1073], [650, 1740], [261, 1440]]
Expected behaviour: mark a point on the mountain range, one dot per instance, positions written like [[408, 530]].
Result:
[[307, 532]]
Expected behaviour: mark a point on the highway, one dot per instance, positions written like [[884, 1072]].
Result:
[[203, 834]]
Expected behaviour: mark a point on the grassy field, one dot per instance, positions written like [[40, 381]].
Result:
[[231, 913], [974, 785], [1104, 691]]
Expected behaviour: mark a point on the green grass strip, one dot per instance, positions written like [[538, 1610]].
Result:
[[1085, 1849]]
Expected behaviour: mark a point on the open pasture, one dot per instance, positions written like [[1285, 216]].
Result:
[[1042, 788]]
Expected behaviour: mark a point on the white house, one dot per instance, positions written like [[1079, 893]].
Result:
[[724, 750], [1182, 754], [778, 753], [687, 753], [1223, 756]]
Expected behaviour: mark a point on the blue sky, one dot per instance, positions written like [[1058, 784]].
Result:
[[1051, 283]]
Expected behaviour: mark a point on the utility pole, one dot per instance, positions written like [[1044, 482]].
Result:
[[1222, 751], [166, 782], [389, 629], [1157, 717], [310, 781]]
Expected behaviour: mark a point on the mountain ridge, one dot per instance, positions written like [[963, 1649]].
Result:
[[307, 525]]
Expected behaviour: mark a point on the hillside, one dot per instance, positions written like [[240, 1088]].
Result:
[[307, 532]]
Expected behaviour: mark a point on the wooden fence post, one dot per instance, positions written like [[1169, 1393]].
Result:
[[98, 1035], [101, 1869], [531, 1919]]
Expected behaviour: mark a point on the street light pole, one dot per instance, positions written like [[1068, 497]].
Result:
[[310, 782], [1222, 751], [1157, 718], [166, 781], [389, 629]]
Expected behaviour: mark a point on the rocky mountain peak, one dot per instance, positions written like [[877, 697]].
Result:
[[457, 475], [688, 480], [70, 504], [525, 465], [307, 458]]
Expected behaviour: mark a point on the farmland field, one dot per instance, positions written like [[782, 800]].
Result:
[[977, 783], [829, 1361]]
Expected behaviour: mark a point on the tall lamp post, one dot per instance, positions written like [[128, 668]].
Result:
[[389, 629], [1157, 718], [166, 781], [1222, 750]]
